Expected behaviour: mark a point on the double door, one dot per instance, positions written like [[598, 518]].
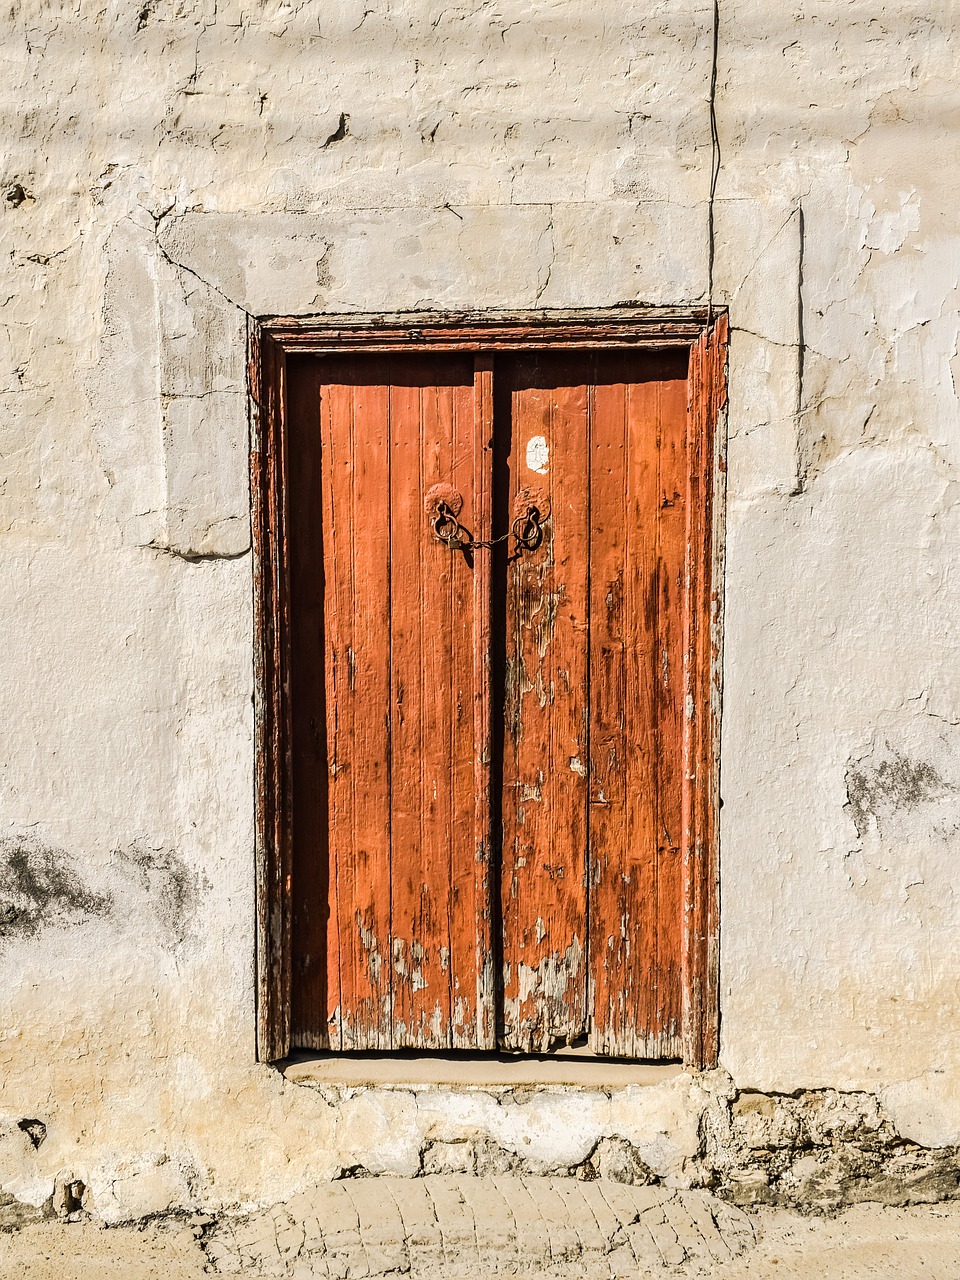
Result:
[[488, 577]]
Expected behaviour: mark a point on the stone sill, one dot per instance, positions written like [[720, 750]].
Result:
[[575, 1068]]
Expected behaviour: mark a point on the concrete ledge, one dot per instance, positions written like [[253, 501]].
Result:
[[571, 1067]]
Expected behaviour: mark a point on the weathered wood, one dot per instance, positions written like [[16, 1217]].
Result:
[[396, 623], [707, 395], [669, 673], [612, 719], [544, 876], [623, 707], [354, 436], [271, 682], [648, 327], [310, 865], [434, 908], [484, 916]]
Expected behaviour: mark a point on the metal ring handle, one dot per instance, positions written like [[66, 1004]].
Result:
[[446, 526]]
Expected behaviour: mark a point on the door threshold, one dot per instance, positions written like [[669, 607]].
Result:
[[571, 1067]]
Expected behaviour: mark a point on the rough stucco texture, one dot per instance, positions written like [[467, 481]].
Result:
[[173, 166]]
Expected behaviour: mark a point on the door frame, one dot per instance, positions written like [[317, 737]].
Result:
[[705, 334]]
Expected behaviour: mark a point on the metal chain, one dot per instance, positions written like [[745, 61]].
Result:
[[526, 530]]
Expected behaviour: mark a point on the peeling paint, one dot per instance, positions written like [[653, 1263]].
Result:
[[371, 946], [544, 988], [887, 781], [538, 455]]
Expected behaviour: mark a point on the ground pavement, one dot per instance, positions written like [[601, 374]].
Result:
[[460, 1227]]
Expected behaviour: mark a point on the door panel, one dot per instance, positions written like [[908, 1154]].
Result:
[[637, 488], [591, 875], [396, 641]]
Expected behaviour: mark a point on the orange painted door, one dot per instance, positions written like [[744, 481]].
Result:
[[391, 808], [591, 890], [487, 741]]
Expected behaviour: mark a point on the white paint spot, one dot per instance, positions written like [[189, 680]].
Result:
[[538, 455]]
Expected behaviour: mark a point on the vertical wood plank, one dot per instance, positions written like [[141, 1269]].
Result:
[[434, 906], [611, 719], [417, 933], [623, 555], [453, 696], [707, 400], [670, 685], [354, 419], [310, 867], [544, 889], [271, 710]]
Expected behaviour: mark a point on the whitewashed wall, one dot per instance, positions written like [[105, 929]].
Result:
[[174, 166]]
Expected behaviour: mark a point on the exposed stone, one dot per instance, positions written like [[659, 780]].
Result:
[[69, 1195], [616, 1160], [14, 1214], [820, 1150], [35, 1130]]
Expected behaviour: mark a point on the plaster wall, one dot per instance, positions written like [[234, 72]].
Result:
[[173, 167]]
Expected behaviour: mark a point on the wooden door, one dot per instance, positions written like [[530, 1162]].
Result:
[[591, 872], [390, 680], [488, 742]]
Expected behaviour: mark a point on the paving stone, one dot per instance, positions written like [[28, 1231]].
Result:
[[417, 1211], [608, 1224], [533, 1238], [457, 1225], [734, 1225], [462, 1227], [496, 1234], [580, 1215], [703, 1229], [380, 1219], [562, 1233], [663, 1235]]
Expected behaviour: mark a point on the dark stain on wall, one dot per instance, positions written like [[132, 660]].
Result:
[[172, 888], [889, 781], [35, 1130], [40, 888]]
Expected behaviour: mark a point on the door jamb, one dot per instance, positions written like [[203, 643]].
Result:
[[270, 341]]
